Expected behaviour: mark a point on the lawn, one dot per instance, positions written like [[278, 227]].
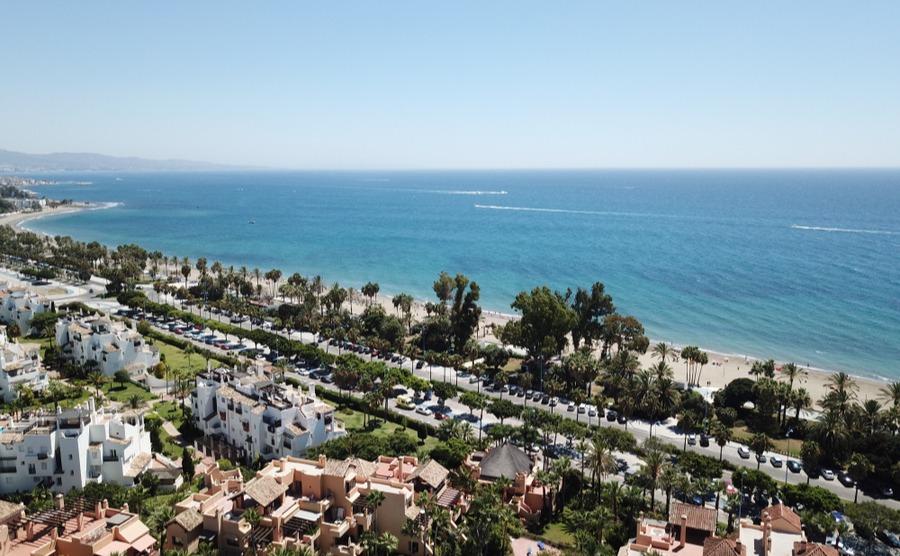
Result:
[[119, 393], [353, 421], [170, 449], [553, 532], [170, 411], [176, 359]]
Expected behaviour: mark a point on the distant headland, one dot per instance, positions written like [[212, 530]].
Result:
[[11, 161]]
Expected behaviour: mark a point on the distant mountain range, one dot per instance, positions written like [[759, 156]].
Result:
[[88, 162]]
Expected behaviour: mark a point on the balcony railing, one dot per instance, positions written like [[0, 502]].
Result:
[[109, 458]]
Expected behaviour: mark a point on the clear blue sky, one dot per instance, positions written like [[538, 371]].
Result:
[[486, 84]]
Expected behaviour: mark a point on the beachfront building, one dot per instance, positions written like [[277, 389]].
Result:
[[320, 504], [253, 416], [71, 448], [20, 366], [18, 306], [691, 531], [77, 528], [526, 494], [111, 346]]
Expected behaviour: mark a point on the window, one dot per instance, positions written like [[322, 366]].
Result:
[[70, 457], [413, 547]]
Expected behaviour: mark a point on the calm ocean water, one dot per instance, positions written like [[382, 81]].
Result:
[[794, 265]]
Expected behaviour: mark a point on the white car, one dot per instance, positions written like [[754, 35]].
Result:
[[776, 461], [571, 406], [422, 410], [828, 474], [744, 452]]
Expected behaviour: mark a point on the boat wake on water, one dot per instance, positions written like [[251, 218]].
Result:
[[451, 192], [563, 211], [842, 230]]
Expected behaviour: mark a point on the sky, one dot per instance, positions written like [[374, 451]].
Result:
[[456, 85]]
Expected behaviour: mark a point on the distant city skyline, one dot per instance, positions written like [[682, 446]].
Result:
[[467, 85]]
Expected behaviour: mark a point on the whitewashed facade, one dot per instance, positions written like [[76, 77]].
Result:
[[250, 412], [19, 364], [18, 306], [71, 448], [110, 344]]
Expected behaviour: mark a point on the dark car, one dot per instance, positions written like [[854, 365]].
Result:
[[794, 465], [622, 419], [612, 416], [704, 440], [888, 538], [846, 479], [545, 399]]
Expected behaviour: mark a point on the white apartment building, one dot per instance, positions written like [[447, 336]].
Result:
[[256, 416], [71, 448], [111, 344], [18, 306], [19, 364]]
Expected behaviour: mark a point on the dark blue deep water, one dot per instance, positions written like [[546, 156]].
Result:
[[794, 265]]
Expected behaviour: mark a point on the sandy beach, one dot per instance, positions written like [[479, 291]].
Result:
[[721, 370]]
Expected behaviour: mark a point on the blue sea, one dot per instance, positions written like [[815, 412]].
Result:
[[794, 265]]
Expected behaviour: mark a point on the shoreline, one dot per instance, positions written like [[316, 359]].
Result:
[[722, 368]]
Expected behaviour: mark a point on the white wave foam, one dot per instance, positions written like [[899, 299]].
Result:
[[560, 211], [842, 230], [465, 192]]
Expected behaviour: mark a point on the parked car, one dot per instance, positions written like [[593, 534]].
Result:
[[537, 397], [622, 419], [571, 406], [761, 458], [692, 439], [846, 479], [827, 474], [744, 452], [404, 401], [582, 408], [704, 440], [422, 410], [794, 465], [776, 461], [440, 415], [612, 416], [553, 401], [888, 538], [545, 399]]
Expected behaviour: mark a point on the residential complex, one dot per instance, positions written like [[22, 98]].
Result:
[[526, 494], [111, 346], [71, 448], [80, 528], [691, 530], [321, 504], [18, 306], [252, 415], [19, 364]]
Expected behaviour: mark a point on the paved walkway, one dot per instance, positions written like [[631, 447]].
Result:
[[520, 547]]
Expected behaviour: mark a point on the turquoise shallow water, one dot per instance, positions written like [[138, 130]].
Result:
[[794, 265]]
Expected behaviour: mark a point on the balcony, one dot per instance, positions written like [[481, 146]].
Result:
[[338, 529], [349, 549], [110, 458], [8, 469], [363, 519], [315, 505]]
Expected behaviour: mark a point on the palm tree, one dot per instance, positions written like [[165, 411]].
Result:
[[97, 380], [664, 351], [653, 463], [759, 444], [891, 393], [800, 400], [668, 476], [723, 436], [860, 468], [687, 422], [810, 453], [135, 401], [374, 499]]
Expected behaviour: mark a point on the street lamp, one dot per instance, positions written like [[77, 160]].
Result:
[[651, 428], [741, 500], [788, 435]]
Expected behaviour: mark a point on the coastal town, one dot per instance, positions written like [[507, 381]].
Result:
[[156, 405]]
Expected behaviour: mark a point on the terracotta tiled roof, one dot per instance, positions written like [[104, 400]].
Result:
[[339, 468], [717, 546], [189, 519], [814, 549], [780, 511], [9, 509], [432, 473], [697, 517], [264, 490]]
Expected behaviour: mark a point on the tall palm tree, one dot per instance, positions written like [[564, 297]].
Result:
[[891, 393], [800, 400], [723, 436], [374, 500], [664, 351], [759, 444]]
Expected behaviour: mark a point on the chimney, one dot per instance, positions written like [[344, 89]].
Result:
[[277, 534], [640, 524], [80, 522], [683, 539], [105, 503], [322, 460], [60, 502], [98, 508], [125, 507], [767, 538]]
